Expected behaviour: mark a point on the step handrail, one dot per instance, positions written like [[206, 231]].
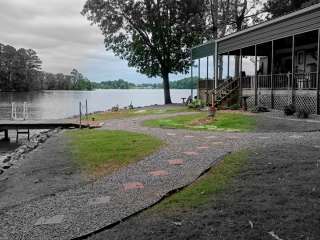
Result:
[[229, 86]]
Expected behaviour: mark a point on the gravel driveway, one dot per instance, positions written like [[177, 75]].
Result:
[[92, 206]]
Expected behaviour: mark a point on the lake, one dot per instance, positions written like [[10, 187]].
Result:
[[63, 104]]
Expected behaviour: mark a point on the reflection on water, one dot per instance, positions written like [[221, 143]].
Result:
[[62, 104]]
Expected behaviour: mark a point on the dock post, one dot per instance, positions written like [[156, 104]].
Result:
[[80, 114], [86, 109], [6, 135]]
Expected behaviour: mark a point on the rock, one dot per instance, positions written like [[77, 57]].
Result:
[[179, 224], [1, 171], [7, 159], [68, 173], [37, 181], [7, 166]]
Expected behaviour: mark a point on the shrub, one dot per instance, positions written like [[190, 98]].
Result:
[[197, 104], [260, 109], [289, 110], [303, 114], [235, 107]]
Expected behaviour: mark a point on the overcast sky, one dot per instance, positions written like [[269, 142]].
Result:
[[63, 38]]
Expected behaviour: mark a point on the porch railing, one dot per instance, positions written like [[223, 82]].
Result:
[[300, 81]]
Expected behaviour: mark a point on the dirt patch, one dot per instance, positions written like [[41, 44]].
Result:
[[277, 195]]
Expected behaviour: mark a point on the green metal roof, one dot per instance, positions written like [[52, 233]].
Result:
[[204, 50]]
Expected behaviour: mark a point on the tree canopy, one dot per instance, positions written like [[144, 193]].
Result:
[[152, 35], [20, 70], [278, 8]]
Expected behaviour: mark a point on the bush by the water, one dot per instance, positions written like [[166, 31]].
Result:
[[290, 110], [303, 114]]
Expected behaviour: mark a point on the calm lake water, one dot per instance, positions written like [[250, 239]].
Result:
[[62, 104]]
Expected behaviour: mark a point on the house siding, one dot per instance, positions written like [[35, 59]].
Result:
[[305, 22]]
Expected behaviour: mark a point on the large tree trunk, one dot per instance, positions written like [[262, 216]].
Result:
[[166, 88]]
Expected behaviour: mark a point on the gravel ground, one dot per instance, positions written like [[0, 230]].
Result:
[[276, 122], [89, 207], [278, 193], [45, 171]]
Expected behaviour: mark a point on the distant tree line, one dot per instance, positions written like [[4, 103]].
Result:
[[186, 83], [20, 70], [117, 84]]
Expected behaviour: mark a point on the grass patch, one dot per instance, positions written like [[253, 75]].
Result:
[[101, 152], [224, 121], [103, 116], [208, 187]]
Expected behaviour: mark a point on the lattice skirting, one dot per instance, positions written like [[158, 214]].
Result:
[[303, 101], [281, 101], [306, 102], [251, 101], [265, 100]]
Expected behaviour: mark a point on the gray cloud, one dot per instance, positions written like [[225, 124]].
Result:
[[63, 38]]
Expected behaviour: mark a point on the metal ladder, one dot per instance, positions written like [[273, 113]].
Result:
[[24, 117]]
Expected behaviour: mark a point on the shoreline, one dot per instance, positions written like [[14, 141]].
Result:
[[11, 153], [15, 153]]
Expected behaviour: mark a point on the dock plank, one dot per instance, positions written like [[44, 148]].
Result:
[[39, 124]]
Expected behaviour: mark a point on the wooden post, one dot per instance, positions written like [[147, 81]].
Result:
[[272, 73], [191, 75], [6, 135], [199, 77], [216, 66], [318, 78], [207, 82], [228, 65], [255, 77], [240, 75], [293, 70], [86, 109], [80, 114]]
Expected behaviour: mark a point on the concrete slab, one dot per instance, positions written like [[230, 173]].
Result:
[[211, 137], [263, 137], [133, 186], [191, 153], [296, 137], [171, 134], [188, 136], [217, 143], [159, 173], [176, 162], [99, 200], [57, 219], [204, 147]]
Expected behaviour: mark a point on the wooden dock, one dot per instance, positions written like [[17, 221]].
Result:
[[27, 125], [39, 124]]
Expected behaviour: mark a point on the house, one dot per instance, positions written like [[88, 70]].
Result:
[[274, 64]]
